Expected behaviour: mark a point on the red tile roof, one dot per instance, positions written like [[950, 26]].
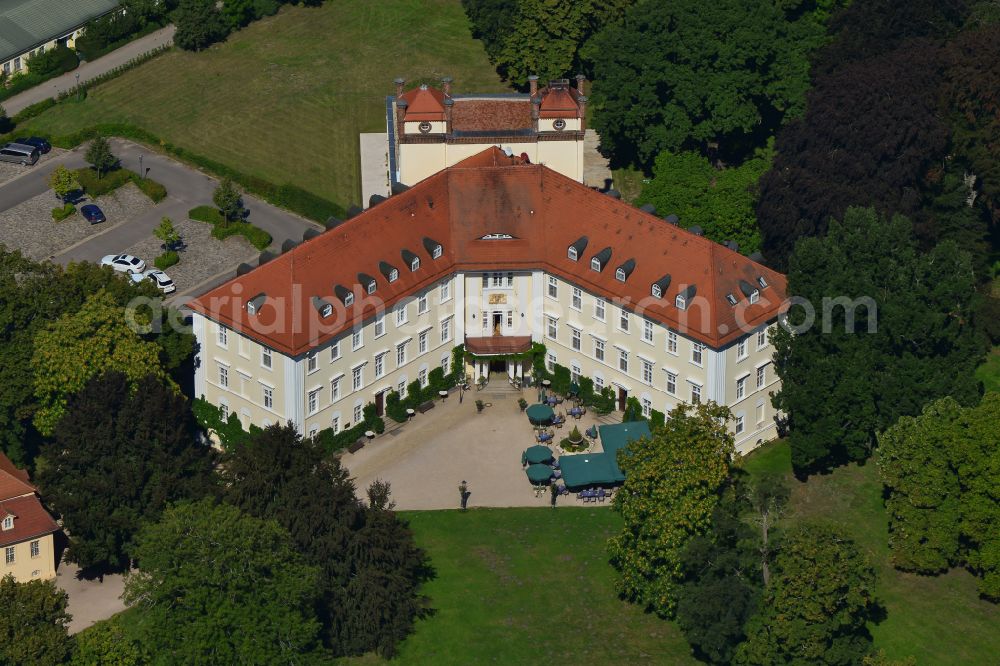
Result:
[[13, 486], [559, 102], [7, 466], [491, 114], [31, 520], [542, 212], [424, 103]]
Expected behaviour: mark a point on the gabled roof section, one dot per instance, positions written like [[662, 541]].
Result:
[[559, 100], [31, 522], [423, 103], [13, 481], [538, 213]]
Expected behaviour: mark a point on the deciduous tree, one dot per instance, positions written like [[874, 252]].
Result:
[[199, 24], [817, 605], [100, 157], [167, 233], [228, 200], [118, 457], [900, 335], [79, 345], [63, 182], [33, 623], [217, 586], [672, 485], [106, 642]]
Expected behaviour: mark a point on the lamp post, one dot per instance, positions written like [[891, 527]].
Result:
[[78, 86], [142, 174]]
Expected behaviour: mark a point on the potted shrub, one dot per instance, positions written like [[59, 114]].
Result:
[[479, 405], [522, 403], [574, 436]]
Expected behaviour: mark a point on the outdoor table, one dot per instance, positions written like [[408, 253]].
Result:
[[410, 412], [546, 383], [443, 394], [370, 434], [538, 454]]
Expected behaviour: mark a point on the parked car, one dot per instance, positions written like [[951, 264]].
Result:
[[158, 277], [43, 146], [124, 263], [19, 154], [92, 214]]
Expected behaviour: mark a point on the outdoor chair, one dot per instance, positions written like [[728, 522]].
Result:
[[600, 495]]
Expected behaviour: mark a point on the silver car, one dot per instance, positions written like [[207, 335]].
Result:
[[19, 153]]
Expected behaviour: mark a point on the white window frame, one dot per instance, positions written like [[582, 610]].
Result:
[[35, 548], [551, 328], [312, 364], [647, 372], [402, 316], [576, 339], [741, 349], [695, 393], [572, 253], [401, 354], [222, 336], [600, 309], [552, 288], [379, 364], [312, 401], [620, 274], [357, 339], [359, 414], [647, 407], [223, 375], [671, 382], [599, 349], [740, 424], [422, 304], [358, 378], [672, 342], [576, 302], [762, 376], [422, 342], [647, 331], [335, 393], [680, 302], [762, 339], [623, 320], [379, 325], [622, 360], [266, 358], [741, 387], [335, 351], [697, 353], [445, 291], [446, 329], [267, 396]]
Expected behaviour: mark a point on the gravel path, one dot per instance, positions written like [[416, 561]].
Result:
[[10, 171], [202, 257], [29, 227]]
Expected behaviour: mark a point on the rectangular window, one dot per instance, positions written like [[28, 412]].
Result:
[[574, 373], [401, 314], [223, 376], [739, 424], [647, 331], [599, 383], [672, 383], [741, 388], [647, 407], [358, 378], [445, 363], [357, 339], [672, 342], [445, 291], [553, 287], [623, 320], [550, 362], [223, 336], [576, 339], [268, 397], [335, 424], [380, 326], [224, 412], [599, 349], [401, 388], [422, 378], [311, 364], [9, 555], [422, 304], [761, 338], [335, 351], [313, 401], [647, 372], [577, 299], [446, 330], [422, 343], [265, 358], [696, 352], [552, 329], [486, 280], [379, 365], [510, 279], [400, 355], [510, 319], [761, 376], [486, 319], [359, 413], [335, 389], [35, 549], [695, 394], [498, 279], [599, 309], [623, 360], [760, 413], [741, 349]]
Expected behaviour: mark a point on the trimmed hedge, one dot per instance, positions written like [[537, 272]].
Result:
[[208, 214], [112, 180], [150, 188], [335, 442], [36, 109], [166, 260], [60, 214], [259, 238]]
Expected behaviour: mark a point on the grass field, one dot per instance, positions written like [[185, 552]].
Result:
[[939, 620], [521, 586], [285, 98]]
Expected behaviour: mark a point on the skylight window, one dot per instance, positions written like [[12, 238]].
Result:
[[656, 291], [762, 282], [620, 274], [571, 253], [680, 302]]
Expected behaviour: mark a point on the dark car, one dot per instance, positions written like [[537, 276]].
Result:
[[92, 214], [38, 142]]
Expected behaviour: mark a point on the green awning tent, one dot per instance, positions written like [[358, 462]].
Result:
[[601, 469], [538, 454], [539, 414], [539, 473]]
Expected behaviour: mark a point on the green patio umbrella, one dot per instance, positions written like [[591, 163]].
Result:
[[539, 414], [538, 454], [539, 473]]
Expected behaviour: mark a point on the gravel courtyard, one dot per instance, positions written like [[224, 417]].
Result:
[[10, 171], [203, 256], [29, 227]]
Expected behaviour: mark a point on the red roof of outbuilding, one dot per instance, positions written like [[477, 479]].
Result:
[[424, 103], [489, 194], [31, 520]]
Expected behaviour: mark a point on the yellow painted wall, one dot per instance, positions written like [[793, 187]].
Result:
[[25, 567]]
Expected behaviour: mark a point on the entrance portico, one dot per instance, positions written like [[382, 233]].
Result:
[[492, 354]]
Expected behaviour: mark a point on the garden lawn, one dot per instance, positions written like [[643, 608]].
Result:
[[285, 98], [989, 372], [937, 619], [521, 586]]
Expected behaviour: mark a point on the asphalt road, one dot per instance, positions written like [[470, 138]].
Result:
[[186, 188]]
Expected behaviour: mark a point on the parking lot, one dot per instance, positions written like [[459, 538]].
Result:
[[26, 223]]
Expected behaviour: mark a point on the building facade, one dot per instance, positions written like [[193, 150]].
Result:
[[494, 253], [32, 27], [26, 529], [430, 129]]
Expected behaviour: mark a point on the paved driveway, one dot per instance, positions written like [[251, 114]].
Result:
[[90, 600]]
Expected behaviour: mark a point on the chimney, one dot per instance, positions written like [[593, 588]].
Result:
[[400, 114], [446, 86], [448, 103], [536, 105], [582, 103], [399, 86], [580, 80], [533, 84]]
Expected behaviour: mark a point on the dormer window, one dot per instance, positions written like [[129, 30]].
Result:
[[412, 260], [576, 249], [325, 307], [749, 291], [595, 264], [660, 286], [367, 283], [601, 259], [656, 291], [371, 287], [393, 275], [436, 254], [730, 299], [415, 264], [345, 295], [251, 308], [684, 298], [680, 302], [762, 282], [433, 248], [571, 253], [348, 302], [754, 296], [623, 271], [8, 523], [253, 305], [620, 274], [327, 310], [389, 271]]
